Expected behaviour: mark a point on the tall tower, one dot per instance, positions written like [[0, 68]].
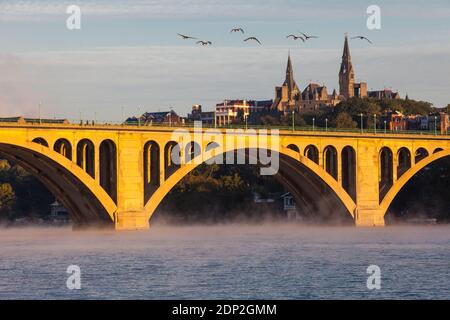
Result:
[[289, 82], [346, 74]]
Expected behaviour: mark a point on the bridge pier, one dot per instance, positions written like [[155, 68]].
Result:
[[131, 221], [368, 217]]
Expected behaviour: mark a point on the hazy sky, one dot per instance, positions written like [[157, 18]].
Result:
[[127, 53]]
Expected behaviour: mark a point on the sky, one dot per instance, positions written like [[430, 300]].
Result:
[[127, 57]]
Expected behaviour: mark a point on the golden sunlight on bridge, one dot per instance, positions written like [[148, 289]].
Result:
[[118, 175]]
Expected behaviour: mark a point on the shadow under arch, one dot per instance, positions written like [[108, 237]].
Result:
[[87, 203], [302, 177], [408, 175]]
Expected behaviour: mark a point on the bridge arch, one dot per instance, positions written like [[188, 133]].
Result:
[[294, 148], [63, 147], [108, 168], [312, 153], [86, 201], [86, 156], [348, 168], [420, 154], [41, 141], [211, 145], [151, 169], [172, 158], [296, 173], [330, 157], [400, 183], [438, 150], [404, 161], [192, 150], [386, 168]]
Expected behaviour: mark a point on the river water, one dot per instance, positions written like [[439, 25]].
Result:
[[271, 261]]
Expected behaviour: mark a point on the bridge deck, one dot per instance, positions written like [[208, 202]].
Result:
[[284, 131]]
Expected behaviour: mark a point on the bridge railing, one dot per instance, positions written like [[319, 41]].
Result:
[[312, 129]]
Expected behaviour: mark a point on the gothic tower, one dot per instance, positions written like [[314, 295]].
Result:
[[346, 74]]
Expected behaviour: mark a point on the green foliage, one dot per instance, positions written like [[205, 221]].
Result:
[[213, 193], [30, 196], [344, 120], [7, 198], [283, 120]]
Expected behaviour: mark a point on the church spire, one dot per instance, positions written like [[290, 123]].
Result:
[[346, 65], [289, 74], [346, 74]]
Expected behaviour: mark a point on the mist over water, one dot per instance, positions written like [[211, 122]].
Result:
[[233, 261]]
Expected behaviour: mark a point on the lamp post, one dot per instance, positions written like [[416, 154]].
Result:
[[293, 120], [435, 125], [139, 116], [314, 124], [384, 126], [362, 124], [326, 125], [246, 121], [375, 123], [40, 117]]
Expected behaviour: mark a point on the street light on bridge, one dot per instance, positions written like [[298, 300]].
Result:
[[314, 124], [435, 125], [40, 117], [326, 125], [293, 120], [375, 123], [362, 124]]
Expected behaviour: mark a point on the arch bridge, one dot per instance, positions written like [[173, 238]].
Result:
[[118, 175]]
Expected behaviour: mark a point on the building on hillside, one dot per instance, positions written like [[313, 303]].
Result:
[[260, 106], [438, 122], [288, 96], [229, 111], [23, 120], [385, 94], [197, 114], [395, 121], [417, 122], [156, 118], [315, 96]]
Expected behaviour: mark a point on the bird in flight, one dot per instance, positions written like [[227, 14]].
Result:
[[362, 38], [184, 37], [204, 43], [308, 37], [252, 38], [237, 30], [293, 36]]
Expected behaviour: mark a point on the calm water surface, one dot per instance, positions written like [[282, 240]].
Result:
[[227, 262]]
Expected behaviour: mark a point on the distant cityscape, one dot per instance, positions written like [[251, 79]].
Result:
[[290, 101]]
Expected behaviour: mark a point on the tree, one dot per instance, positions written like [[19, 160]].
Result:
[[344, 121], [7, 198]]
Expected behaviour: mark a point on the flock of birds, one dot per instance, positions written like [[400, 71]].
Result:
[[302, 36]]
